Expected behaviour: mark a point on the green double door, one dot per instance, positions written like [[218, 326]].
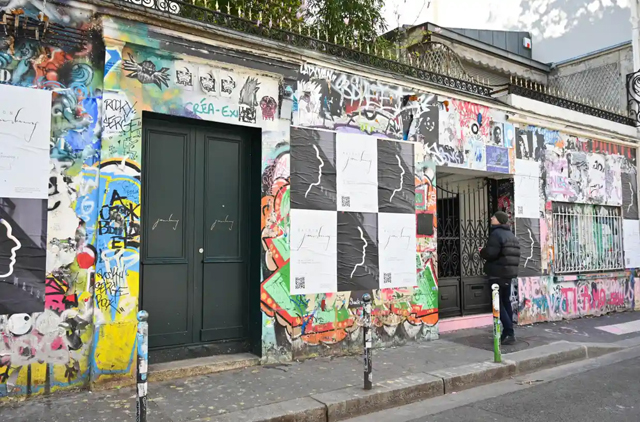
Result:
[[195, 257]]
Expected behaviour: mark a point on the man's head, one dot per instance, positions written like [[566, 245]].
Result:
[[499, 218]]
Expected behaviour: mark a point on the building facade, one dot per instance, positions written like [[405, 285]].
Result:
[[245, 184]]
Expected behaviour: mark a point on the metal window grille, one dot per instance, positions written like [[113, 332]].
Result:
[[587, 238]]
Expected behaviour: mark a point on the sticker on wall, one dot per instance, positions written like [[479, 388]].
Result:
[[25, 133], [227, 85], [629, 187], [497, 159], [357, 173], [397, 246], [249, 100], [268, 107], [528, 234], [358, 251], [23, 234], [527, 189], [313, 169], [146, 72], [396, 180], [631, 237], [509, 135], [529, 145], [209, 81], [313, 251], [185, 76], [597, 191], [613, 179], [497, 134]]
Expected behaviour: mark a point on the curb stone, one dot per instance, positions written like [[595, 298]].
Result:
[[338, 405], [354, 401], [297, 410], [473, 375]]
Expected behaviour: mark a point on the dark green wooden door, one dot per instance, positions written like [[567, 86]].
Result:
[[195, 254]]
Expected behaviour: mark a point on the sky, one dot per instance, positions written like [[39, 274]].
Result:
[[561, 29]]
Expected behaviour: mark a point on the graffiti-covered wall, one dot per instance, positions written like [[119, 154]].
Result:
[[50, 124], [358, 187], [576, 217], [347, 196]]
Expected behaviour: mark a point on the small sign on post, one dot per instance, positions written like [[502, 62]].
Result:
[[495, 296], [367, 336], [143, 364]]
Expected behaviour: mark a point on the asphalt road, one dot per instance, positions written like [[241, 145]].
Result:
[[604, 389], [610, 393]]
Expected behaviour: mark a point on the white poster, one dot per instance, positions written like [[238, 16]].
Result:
[[397, 250], [357, 172], [314, 251], [25, 132], [527, 189], [631, 236]]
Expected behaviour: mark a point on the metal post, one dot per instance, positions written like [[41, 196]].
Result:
[[495, 296], [366, 334], [143, 363]]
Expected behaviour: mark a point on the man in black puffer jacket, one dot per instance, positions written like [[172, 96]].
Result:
[[502, 256]]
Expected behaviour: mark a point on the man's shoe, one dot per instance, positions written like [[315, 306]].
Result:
[[508, 340]]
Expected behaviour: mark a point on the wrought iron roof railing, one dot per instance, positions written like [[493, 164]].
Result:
[[312, 39], [558, 98]]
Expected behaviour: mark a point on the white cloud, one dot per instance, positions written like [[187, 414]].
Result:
[[593, 6]]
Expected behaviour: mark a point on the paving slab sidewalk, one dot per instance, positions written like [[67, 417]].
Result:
[[216, 395]]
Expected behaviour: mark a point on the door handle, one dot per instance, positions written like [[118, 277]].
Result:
[[201, 250]]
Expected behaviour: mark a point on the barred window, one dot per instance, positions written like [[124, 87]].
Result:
[[587, 238]]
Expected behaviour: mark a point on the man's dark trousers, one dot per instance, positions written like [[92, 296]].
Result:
[[506, 311]]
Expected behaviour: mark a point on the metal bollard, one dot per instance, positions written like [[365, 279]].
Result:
[[495, 296], [367, 335], [142, 338]]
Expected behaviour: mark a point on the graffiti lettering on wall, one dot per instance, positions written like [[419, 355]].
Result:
[[350, 103], [47, 344], [541, 299]]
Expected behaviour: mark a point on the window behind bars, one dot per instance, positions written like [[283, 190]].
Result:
[[587, 238]]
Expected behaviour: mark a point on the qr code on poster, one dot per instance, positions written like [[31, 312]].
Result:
[[300, 283], [346, 201], [386, 279]]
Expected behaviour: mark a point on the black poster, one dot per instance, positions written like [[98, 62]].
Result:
[[23, 239], [396, 181], [529, 145], [528, 234], [313, 170], [357, 251]]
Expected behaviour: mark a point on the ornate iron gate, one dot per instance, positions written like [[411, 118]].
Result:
[[463, 214]]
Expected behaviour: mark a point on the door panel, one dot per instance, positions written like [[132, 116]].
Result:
[[195, 260], [225, 275], [223, 220], [224, 306], [165, 254]]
